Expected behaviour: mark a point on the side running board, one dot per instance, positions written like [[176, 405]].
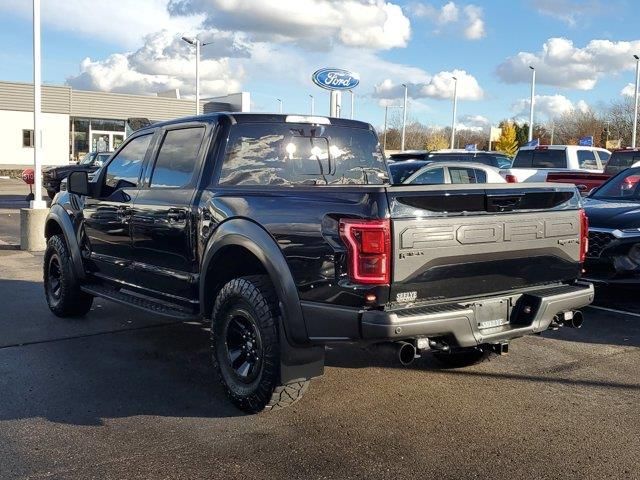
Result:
[[143, 303]]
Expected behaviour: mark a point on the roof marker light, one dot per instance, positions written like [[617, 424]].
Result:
[[307, 119]]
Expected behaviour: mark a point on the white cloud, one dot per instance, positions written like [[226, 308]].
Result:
[[438, 86], [477, 123], [629, 90], [475, 23], [561, 64], [122, 23], [569, 11], [549, 106], [470, 22], [374, 24], [163, 62]]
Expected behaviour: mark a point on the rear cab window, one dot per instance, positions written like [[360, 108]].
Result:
[[541, 158], [283, 154]]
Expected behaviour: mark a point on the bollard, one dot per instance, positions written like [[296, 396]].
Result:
[[32, 221]]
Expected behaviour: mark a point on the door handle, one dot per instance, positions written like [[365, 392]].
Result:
[[176, 215]]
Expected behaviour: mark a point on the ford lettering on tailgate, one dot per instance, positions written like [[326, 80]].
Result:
[[438, 236]]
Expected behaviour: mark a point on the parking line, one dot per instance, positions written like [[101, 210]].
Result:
[[624, 312]]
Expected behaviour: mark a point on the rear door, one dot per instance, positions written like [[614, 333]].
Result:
[[163, 219], [453, 241]]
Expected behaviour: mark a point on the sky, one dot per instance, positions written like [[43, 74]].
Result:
[[582, 52]]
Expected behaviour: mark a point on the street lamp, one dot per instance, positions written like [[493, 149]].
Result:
[[404, 117], [533, 90], [279, 104], [198, 44], [386, 109], [455, 109], [635, 108], [312, 104]]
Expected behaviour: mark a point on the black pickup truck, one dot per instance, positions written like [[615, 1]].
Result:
[[285, 234]]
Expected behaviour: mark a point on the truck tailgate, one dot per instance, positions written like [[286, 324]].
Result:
[[456, 241]]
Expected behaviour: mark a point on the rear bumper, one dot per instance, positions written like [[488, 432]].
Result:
[[530, 312]]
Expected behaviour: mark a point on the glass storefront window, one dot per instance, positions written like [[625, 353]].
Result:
[[80, 133], [107, 125]]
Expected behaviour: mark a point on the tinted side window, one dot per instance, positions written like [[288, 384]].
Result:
[[124, 169], [434, 176], [301, 154], [178, 158], [587, 159]]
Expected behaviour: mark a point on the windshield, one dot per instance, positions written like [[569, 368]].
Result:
[[621, 160], [623, 186]]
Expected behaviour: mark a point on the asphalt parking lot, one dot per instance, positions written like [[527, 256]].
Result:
[[123, 394]]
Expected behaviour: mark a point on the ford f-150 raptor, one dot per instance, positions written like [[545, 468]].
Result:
[[284, 233]]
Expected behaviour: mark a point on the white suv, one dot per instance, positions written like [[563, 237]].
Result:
[[532, 164]]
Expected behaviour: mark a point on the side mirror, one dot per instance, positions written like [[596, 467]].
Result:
[[592, 191], [78, 183]]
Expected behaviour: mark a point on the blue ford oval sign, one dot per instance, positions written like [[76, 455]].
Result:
[[335, 79]]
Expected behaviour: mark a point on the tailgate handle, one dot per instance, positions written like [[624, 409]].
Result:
[[503, 203]]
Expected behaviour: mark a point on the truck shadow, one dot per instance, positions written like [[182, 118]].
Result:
[[153, 368]]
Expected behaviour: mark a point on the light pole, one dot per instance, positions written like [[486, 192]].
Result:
[[455, 111], [533, 91], [404, 117], [635, 108], [352, 103], [279, 104], [386, 109], [37, 201], [312, 104], [198, 44]]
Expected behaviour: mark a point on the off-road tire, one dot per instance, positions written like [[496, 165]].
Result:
[[61, 287], [462, 357], [253, 300]]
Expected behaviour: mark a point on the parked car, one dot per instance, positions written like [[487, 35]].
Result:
[[614, 229], [586, 181], [533, 164], [493, 159], [284, 234], [51, 177], [454, 172]]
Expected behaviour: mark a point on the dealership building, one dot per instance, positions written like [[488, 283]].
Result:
[[75, 122]]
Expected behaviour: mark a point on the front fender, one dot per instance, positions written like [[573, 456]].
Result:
[[60, 216]]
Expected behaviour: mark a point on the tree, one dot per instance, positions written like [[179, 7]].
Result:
[[436, 140], [507, 143], [522, 133]]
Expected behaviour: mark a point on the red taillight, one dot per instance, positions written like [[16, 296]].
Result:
[[584, 235], [369, 250], [511, 178]]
